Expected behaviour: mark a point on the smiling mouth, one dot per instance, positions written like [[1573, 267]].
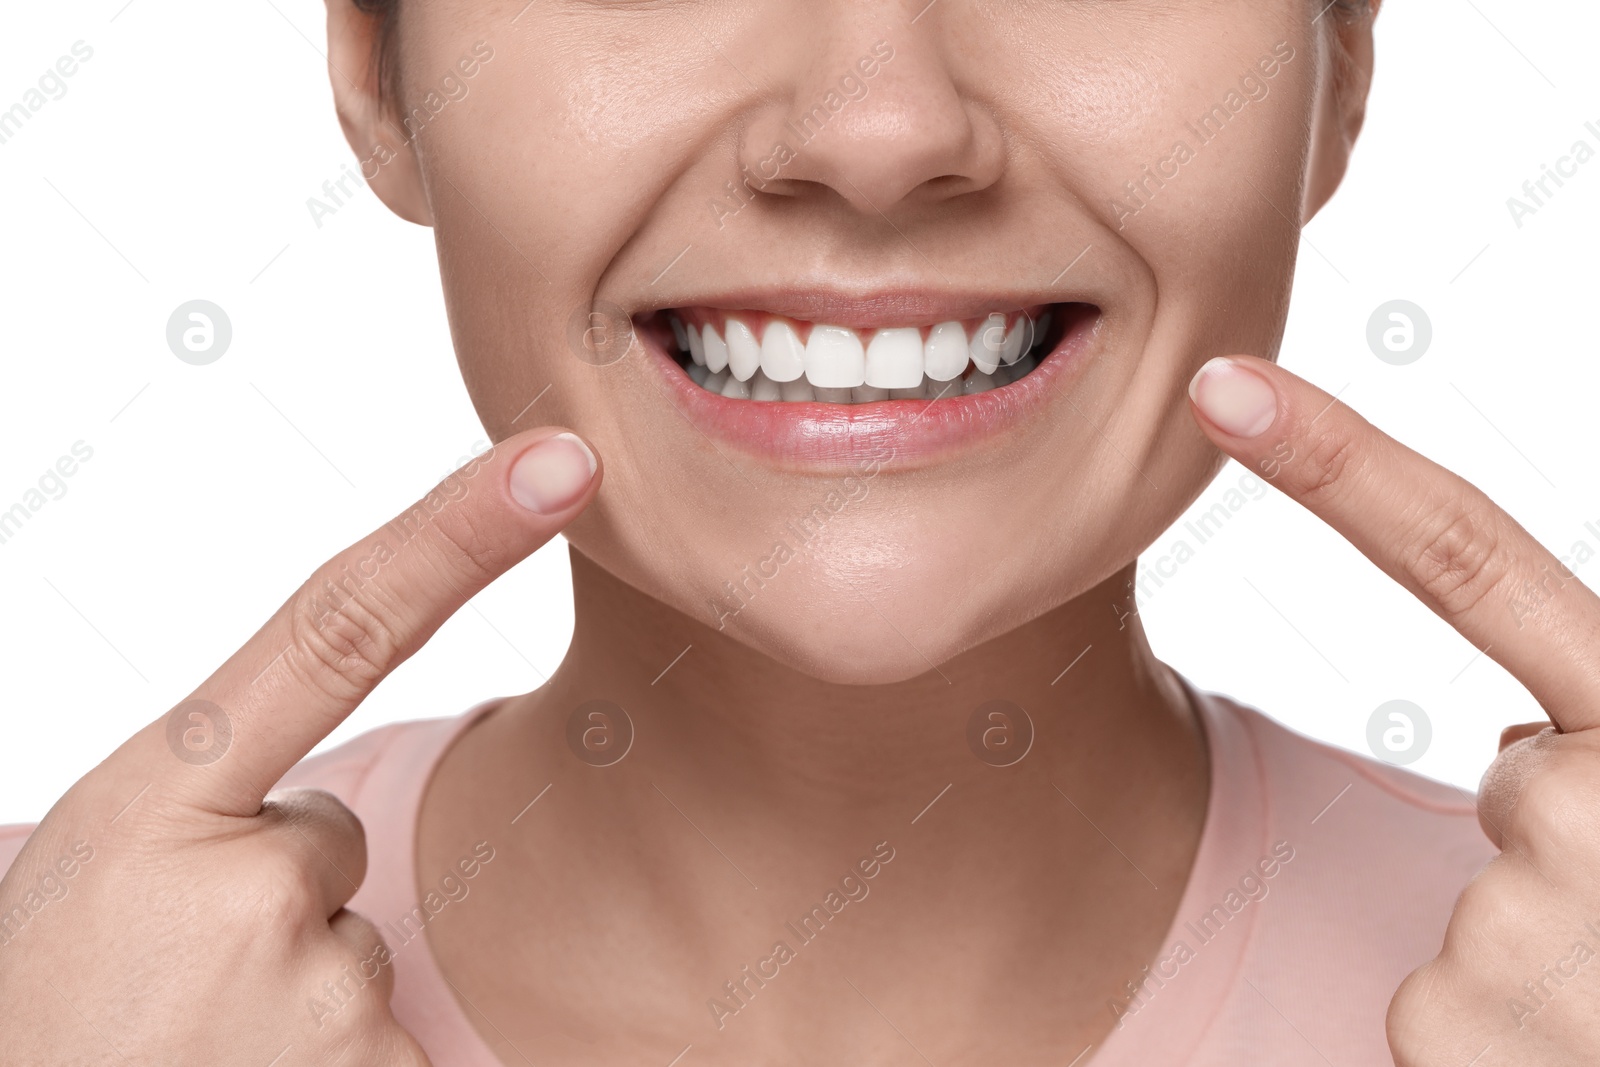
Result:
[[759, 356]]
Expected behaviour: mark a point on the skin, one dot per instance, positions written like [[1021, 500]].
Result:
[[816, 724], [996, 175], [835, 707]]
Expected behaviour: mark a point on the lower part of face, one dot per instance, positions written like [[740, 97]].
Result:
[[882, 320]]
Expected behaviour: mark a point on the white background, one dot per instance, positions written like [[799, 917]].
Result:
[[178, 164]]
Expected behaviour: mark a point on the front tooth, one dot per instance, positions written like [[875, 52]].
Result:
[[932, 389], [866, 394], [835, 358], [977, 382], [715, 382], [915, 392], [782, 354], [945, 355], [833, 396], [735, 389], [1013, 343], [894, 359], [797, 389], [744, 351], [698, 372], [679, 332], [764, 388], [697, 347], [987, 341], [716, 348]]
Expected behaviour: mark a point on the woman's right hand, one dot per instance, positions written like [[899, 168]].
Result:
[[167, 910]]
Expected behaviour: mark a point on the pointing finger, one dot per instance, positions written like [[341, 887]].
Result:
[[365, 611], [1432, 531]]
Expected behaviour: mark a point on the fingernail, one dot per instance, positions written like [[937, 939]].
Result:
[[1238, 401], [551, 475]]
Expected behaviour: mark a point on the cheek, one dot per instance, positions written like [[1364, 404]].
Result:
[[1166, 148], [565, 152], [946, 561]]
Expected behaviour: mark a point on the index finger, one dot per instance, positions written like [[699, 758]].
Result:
[[366, 610], [1429, 529]]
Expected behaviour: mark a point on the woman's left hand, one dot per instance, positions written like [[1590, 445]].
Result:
[[1516, 981]]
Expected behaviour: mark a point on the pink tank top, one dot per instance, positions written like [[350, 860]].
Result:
[[1321, 880]]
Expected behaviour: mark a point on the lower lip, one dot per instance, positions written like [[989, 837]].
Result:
[[809, 435]]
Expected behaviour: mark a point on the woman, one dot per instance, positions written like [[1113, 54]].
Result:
[[891, 330]]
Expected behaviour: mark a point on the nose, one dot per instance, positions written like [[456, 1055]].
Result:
[[875, 115]]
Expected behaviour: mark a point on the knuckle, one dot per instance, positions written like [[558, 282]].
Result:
[[1332, 458], [1550, 815], [356, 1028], [1456, 555], [1485, 916], [1434, 1016], [467, 547], [1410, 1018], [304, 805], [342, 637], [361, 935], [400, 1050], [315, 824], [1514, 767], [282, 893]]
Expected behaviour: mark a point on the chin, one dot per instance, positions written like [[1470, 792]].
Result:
[[871, 613]]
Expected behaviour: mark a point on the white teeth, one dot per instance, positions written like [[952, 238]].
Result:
[[987, 341], [764, 388], [1012, 348], [798, 389], [744, 351], [835, 367], [945, 355], [716, 347], [894, 359], [835, 358], [782, 354]]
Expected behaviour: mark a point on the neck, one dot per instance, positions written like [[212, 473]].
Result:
[[1043, 792], [742, 724]]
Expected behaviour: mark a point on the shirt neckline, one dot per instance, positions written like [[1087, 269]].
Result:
[[1176, 1014], [1168, 1027], [422, 994]]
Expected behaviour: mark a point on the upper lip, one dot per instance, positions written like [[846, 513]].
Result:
[[868, 308]]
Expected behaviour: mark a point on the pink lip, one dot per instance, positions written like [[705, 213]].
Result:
[[825, 437], [868, 309]]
